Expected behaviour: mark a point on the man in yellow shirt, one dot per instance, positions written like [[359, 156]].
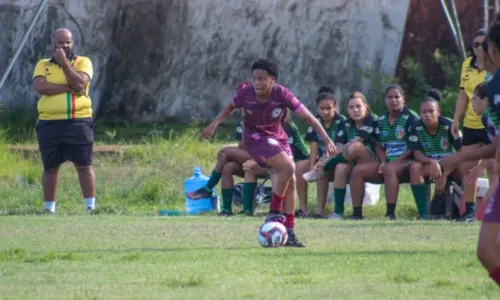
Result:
[[474, 133], [65, 129]]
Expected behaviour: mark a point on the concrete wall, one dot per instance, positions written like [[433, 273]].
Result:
[[161, 58]]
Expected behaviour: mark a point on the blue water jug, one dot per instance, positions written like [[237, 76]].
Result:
[[197, 181]]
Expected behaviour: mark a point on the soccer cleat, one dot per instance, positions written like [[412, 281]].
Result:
[[318, 216], [48, 212], [200, 193], [355, 218], [245, 213], [390, 217], [312, 175], [467, 217], [225, 213], [274, 217], [299, 213], [292, 240], [422, 218], [335, 216]]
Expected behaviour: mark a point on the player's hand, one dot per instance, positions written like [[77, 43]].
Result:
[[221, 155], [78, 93], [473, 174], [248, 165], [455, 128], [330, 149], [440, 185], [381, 168], [208, 132], [435, 171], [59, 55], [450, 162]]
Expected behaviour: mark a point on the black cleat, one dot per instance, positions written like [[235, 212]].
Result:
[[390, 217], [225, 213], [355, 218], [200, 193], [467, 217], [245, 213], [299, 213], [292, 240], [274, 217]]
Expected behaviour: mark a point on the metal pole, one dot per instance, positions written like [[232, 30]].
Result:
[[23, 41], [452, 27], [486, 13], [497, 6], [457, 23]]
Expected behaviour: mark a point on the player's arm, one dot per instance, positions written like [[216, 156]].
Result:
[[313, 158], [43, 87], [76, 80], [221, 117], [379, 152], [309, 118]]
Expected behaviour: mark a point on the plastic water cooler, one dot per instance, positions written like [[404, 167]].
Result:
[[193, 183]]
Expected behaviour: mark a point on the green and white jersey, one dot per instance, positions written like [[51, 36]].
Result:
[[394, 138], [312, 136], [434, 146]]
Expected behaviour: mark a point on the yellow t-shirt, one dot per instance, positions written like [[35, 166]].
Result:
[[66, 105], [470, 77]]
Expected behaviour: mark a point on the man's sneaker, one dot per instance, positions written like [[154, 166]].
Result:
[[355, 218], [335, 216], [299, 213], [225, 213], [48, 212], [292, 240], [390, 217], [200, 193], [274, 217], [467, 217]]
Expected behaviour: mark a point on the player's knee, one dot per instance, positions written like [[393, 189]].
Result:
[[83, 169], [230, 168], [416, 168], [52, 171], [341, 169], [358, 171], [222, 155], [288, 169], [355, 148], [390, 169]]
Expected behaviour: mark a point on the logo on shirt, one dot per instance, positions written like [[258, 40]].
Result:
[[256, 136], [272, 142], [400, 133], [413, 138], [384, 133], [309, 130], [276, 112], [444, 143], [238, 129], [290, 140]]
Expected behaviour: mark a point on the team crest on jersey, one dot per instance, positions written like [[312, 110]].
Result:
[[272, 142], [276, 112], [400, 133], [444, 143]]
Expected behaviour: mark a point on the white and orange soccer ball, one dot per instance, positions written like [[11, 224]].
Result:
[[272, 234]]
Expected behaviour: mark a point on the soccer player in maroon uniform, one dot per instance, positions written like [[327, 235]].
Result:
[[264, 102]]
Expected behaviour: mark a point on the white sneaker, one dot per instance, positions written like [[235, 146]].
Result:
[[311, 176], [334, 216]]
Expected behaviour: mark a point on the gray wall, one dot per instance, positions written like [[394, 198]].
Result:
[[162, 58]]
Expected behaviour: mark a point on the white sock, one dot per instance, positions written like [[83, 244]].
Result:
[[50, 206], [90, 203]]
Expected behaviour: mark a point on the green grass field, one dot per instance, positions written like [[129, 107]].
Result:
[[125, 252], [140, 257]]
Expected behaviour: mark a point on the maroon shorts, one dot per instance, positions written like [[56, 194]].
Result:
[[266, 147], [492, 210]]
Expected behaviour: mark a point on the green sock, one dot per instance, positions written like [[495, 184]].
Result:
[[339, 200], [420, 195], [332, 163], [227, 199], [248, 195], [213, 180]]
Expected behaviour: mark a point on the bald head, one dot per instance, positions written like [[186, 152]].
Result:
[[63, 38]]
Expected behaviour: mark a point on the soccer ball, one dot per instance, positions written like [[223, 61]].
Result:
[[272, 234]]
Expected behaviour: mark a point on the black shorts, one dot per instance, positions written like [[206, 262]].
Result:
[[475, 136], [63, 140]]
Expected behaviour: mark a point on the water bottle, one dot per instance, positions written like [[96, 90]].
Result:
[[197, 181]]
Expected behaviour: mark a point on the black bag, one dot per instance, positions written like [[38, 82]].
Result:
[[445, 205], [263, 194]]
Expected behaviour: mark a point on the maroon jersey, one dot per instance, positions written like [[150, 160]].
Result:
[[263, 120]]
